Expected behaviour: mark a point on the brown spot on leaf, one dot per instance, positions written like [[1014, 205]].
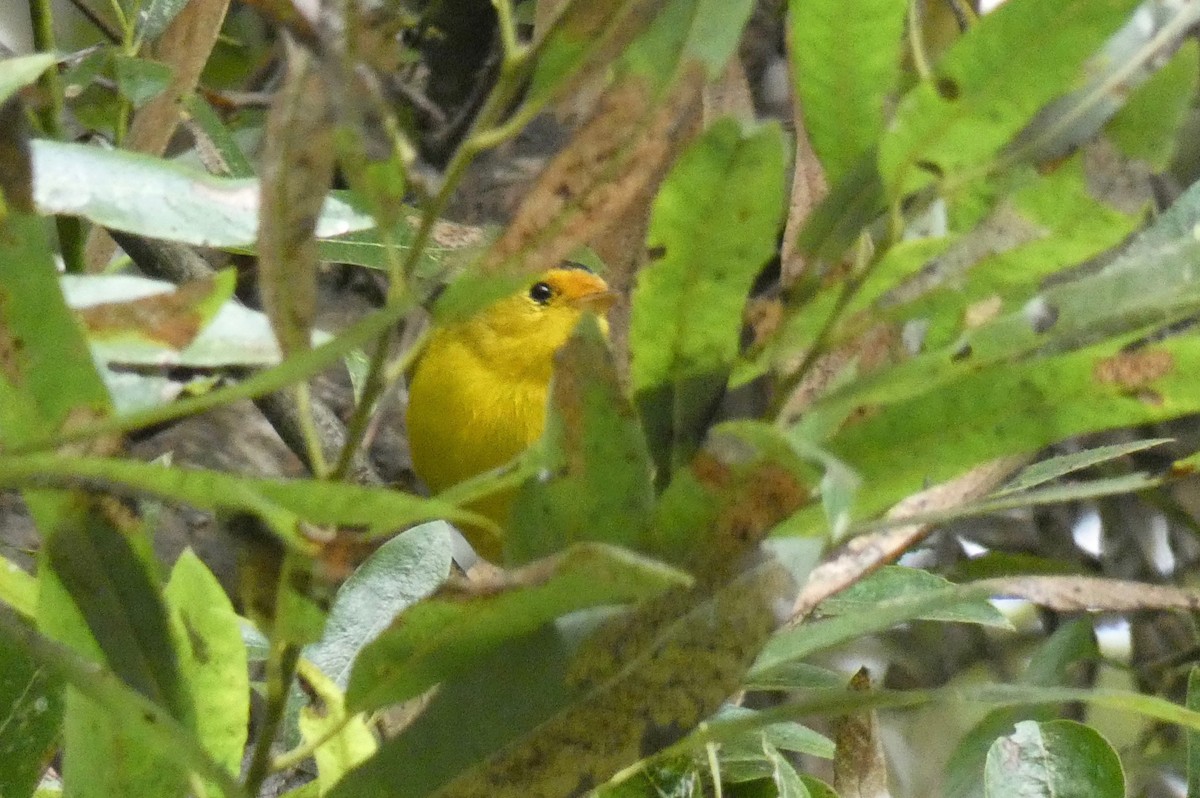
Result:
[[947, 88], [169, 319], [1132, 371]]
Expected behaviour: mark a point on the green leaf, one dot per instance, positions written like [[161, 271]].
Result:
[[801, 641], [742, 486], [844, 214], [146, 726], [584, 37], [30, 718], [49, 376], [712, 229], [220, 138], [403, 571], [1056, 759], [1147, 126], [845, 64], [685, 32], [159, 199], [18, 72], [17, 588], [120, 602], [952, 125], [706, 246], [1052, 468], [449, 632], [898, 582], [353, 742], [283, 503], [566, 714], [1011, 408], [746, 747], [783, 774], [1071, 646], [600, 486], [213, 660], [140, 79]]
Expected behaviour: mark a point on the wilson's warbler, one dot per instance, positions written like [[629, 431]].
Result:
[[478, 392]]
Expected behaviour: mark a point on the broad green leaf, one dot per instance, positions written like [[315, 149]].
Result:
[[817, 788], [140, 79], [1046, 224], [795, 676], [575, 713], [898, 582], [1056, 759], [600, 486], [353, 742], [18, 72], [450, 631], [283, 503], [1071, 647], [845, 63], [403, 571], [18, 589], [147, 727], [951, 126], [1015, 407], [843, 215], [30, 717], [1147, 126], [212, 659], [49, 378], [1128, 59], [712, 229], [120, 602], [1050, 469], [741, 757], [156, 198]]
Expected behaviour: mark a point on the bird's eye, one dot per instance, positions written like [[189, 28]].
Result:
[[541, 293]]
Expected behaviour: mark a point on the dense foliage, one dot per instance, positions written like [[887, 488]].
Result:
[[944, 314]]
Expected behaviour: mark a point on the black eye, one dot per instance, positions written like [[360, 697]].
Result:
[[541, 293]]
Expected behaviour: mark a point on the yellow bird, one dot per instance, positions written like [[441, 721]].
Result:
[[478, 393]]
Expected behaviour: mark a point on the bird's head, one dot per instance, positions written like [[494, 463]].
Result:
[[526, 328]]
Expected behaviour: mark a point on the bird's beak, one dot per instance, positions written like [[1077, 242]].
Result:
[[598, 302]]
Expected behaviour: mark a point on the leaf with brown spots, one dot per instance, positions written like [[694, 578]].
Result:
[[569, 734], [715, 222], [1131, 371], [724, 503], [171, 319], [598, 474], [448, 633]]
